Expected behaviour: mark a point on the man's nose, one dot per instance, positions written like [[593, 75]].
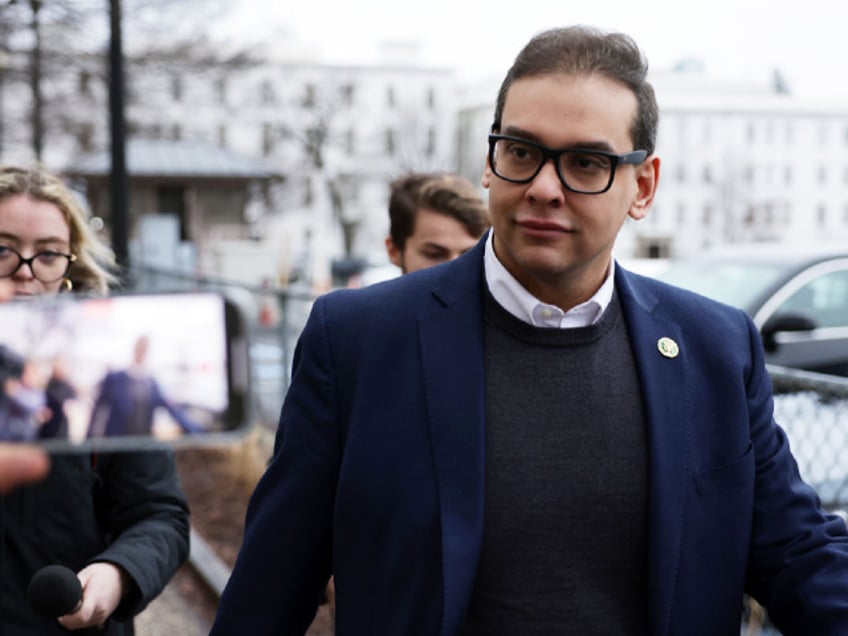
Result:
[[546, 185]]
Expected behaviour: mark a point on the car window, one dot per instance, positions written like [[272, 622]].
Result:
[[824, 299], [737, 284]]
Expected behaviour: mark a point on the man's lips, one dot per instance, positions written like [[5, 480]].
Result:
[[539, 226]]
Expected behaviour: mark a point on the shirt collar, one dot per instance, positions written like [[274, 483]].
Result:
[[513, 297]]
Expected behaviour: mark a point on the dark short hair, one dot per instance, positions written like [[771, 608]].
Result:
[[445, 193], [582, 50]]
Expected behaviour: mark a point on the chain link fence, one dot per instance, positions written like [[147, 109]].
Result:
[[813, 410]]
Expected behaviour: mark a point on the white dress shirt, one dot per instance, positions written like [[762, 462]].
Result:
[[513, 297]]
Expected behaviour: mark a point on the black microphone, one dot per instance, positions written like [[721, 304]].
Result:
[[55, 591]]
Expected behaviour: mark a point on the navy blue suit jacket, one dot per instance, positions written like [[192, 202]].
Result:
[[115, 407], [378, 473]]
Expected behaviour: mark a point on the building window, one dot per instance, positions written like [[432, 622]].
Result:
[[681, 172], [267, 139], [431, 142], [266, 93], [309, 96], [751, 133], [821, 215], [221, 90], [85, 137], [391, 142], [177, 88], [708, 174], [431, 98], [308, 192], [346, 92], [391, 99], [708, 214], [85, 83], [350, 142], [176, 132], [768, 213], [172, 200], [787, 175], [822, 174], [222, 135], [681, 213]]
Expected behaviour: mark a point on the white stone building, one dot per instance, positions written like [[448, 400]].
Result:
[[337, 135]]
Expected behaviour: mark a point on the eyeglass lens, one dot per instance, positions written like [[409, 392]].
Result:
[[584, 171], [47, 266]]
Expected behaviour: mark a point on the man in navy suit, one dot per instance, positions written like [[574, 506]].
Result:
[[530, 439], [127, 400]]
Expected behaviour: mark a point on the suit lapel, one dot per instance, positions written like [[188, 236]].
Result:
[[667, 413], [452, 357]]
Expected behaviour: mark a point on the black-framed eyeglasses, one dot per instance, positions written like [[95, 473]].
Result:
[[47, 266], [580, 170]]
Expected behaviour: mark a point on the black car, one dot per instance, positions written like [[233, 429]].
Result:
[[797, 296]]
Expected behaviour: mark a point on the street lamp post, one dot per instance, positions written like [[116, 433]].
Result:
[[119, 180]]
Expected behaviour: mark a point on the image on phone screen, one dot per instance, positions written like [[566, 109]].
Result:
[[163, 366]]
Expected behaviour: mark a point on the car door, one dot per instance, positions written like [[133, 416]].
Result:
[[819, 294]]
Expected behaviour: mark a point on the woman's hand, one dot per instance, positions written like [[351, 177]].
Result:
[[102, 589], [21, 464]]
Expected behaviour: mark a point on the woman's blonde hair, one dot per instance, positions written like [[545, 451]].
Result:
[[91, 271]]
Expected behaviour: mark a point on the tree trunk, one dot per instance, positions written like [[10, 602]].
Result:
[[35, 83]]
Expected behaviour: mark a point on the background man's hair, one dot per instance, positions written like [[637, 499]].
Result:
[[445, 193], [582, 50]]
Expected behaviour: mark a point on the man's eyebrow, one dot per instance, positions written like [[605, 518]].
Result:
[[432, 245], [514, 131]]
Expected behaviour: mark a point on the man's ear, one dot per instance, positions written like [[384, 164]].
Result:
[[647, 178], [395, 255], [486, 179]]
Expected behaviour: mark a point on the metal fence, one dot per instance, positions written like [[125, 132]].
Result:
[[813, 410]]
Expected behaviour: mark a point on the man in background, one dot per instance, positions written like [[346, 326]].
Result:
[[434, 218]]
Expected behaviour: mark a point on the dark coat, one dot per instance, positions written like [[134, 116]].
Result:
[[124, 508]]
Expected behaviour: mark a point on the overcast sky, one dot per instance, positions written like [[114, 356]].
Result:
[[807, 40]]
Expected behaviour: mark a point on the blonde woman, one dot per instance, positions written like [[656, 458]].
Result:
[[120, 521]]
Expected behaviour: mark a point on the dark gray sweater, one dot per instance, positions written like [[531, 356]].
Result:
[[564, 546]]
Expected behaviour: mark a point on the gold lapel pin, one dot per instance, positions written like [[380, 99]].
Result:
[[668, 347]]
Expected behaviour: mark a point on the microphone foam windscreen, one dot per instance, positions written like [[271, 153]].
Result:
[[54, 591]]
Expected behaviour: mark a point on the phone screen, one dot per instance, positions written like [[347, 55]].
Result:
[[111, 370]]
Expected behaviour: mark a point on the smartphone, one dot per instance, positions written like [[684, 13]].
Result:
[[125, 370]]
